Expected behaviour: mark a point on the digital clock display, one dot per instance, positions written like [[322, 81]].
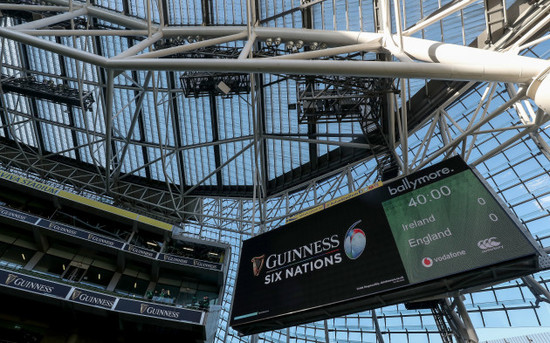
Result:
[[450, 226]]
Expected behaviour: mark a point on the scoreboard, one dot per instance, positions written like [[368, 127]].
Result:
[[430, 233]]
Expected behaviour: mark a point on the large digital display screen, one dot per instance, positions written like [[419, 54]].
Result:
[[407, 234]]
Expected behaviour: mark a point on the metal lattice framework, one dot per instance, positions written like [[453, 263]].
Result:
[[235, 156]]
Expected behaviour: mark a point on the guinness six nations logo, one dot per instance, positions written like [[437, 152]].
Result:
[[310, 257]]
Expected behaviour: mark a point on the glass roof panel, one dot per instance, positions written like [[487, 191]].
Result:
[[91, 123], [323, 17], [43, 61], [53, 112], [58, 139], [138, 8], [286, 156], [195, 128], [474, 23], [18, 109], [124, 112], [366, 13], [94, 152], [113, 5], [240, 171], [133, 162], [158, 120], [10, 57], [85, 72], [270, 8], [199, 163], [234, 117], [112, 46], [186, 12], [164, 167], [278, 97], [229, 12]]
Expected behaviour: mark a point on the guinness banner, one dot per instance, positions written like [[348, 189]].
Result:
[[100, 239], [43, 287], [433, 224], [189, 261], [159, 311], [140, 251], [32, 284], [20, 216], [92, 298], [82, 234]]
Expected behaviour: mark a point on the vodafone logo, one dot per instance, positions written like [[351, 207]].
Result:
[[427, 262]]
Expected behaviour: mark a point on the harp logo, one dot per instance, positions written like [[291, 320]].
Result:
[[143, 308], [257, 264], [76, 294], [11, 278]]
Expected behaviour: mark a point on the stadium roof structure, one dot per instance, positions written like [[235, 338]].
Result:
[[226, 117]]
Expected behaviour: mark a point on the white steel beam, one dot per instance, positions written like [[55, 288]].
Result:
[[28, 7], [36, 24], [437, 16], [193, 46], [84, 33], [317, 141], [246, 52], [460, 138], [504, 145], [516, 72], [140, 46], [447, 61], [442, 53], [372, 46], [117, 18]]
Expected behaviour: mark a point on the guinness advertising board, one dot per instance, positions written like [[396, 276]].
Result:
[[20, 216], [388, 245], [92, 298], [72, 231], [106, 241], [159, 311], [186, 261], [32, 284], [140, 251]]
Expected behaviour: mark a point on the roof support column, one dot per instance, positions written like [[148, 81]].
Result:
[[540, 293], [108, 128], [140, 96], [379, 337], [325, 326], [256, 97]]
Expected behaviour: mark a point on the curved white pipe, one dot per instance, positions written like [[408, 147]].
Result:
[[539, 90], [437, 52], [445, 61], [520, 74]]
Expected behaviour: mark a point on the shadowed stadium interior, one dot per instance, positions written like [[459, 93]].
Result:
[[142, 141]]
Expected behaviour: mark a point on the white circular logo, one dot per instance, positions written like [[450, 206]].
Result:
[[427, 262], [488, 243]]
